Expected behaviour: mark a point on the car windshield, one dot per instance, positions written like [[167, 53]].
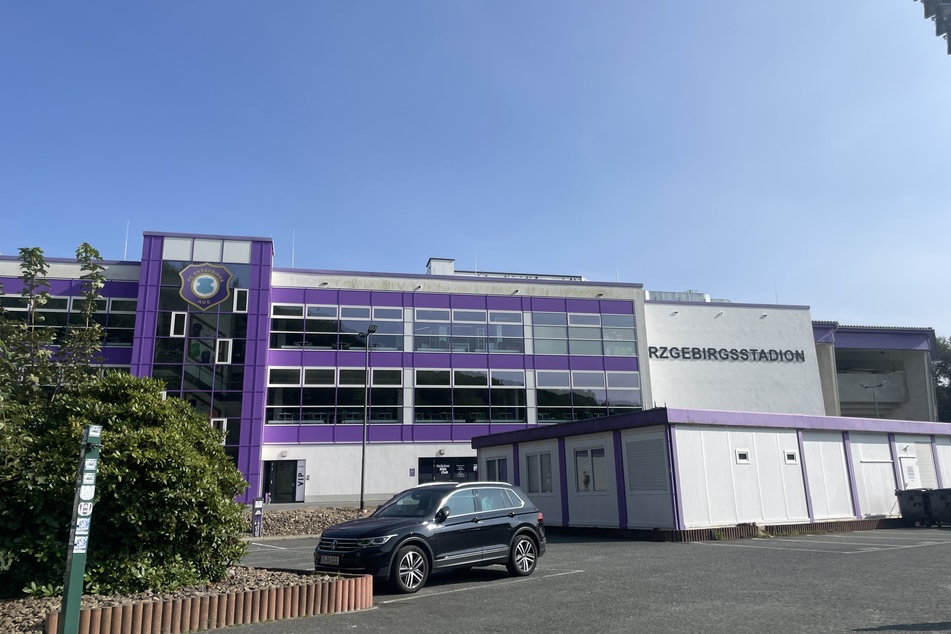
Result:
[[413, 503]]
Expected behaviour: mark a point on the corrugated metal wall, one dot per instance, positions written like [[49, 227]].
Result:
[[874, 474]]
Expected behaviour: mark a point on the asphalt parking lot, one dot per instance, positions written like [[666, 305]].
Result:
[[872, 581]]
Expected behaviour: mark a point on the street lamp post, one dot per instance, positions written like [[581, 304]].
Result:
[[366, 416], [874, 395]]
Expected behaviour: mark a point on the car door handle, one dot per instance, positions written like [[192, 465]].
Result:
[[476, 520], [512, 514]]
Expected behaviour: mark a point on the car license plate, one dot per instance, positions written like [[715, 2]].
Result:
[[329, 560]]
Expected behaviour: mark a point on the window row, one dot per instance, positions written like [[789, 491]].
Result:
[[116, 316]]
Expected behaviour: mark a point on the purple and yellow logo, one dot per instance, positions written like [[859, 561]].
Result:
[[205, 285]]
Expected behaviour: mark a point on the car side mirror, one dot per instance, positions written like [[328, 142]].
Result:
[[441, 515]]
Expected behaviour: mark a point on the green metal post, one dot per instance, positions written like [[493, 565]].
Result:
[[79, 530]]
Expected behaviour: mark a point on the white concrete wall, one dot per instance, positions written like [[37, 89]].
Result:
[[828, 475], [718, 488], [333, 471], [874, 474], [734, 384]]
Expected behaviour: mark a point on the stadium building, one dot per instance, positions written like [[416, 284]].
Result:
[[316, 375]]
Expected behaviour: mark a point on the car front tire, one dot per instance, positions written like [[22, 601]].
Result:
[[523, 557], [410, 570]]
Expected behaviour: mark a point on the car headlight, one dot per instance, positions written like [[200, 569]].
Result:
[[374, 541]]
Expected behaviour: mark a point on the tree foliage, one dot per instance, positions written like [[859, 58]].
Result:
[[165, 512], [942, 369]]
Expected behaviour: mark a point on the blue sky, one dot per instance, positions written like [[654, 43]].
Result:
[[760, 152]]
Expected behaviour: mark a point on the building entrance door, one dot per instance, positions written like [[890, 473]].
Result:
[[283, 481], [447, 470]]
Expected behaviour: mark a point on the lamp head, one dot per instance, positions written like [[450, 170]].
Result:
[[371, 329]]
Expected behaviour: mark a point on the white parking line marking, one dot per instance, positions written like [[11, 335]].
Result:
[[268, 546], [480, 587], [798, 550]]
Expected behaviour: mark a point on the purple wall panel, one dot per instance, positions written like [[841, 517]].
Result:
[[547, 304], [583, 305], [432, 360], [469, 360], [468, 302], [888, 340], [256, 359], [554, 362], [146, 313], [384, 433], [587, 363], [501, 302], [627, 364], [432, 433], [510, 362], [430, 300], [287, 296], [617, 307], [619, 482], [120, 290], [805, 475], [283, 434], [117, 356], [320, 296], [516, 466], [296, 357], [563, 481], [383, 298], [354, 298]]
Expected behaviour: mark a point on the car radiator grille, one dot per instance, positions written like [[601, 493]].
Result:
[[337, 545]]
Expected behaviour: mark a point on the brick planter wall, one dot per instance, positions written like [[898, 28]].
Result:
[[178, 616]]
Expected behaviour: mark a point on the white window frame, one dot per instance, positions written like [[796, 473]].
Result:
[[743, 456], [180, 318], [223, 351], [240, 304], [543, 482], [300, 376], [221, 425], [579, 483]]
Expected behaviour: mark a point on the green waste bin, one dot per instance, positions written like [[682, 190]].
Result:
[[915, 506]]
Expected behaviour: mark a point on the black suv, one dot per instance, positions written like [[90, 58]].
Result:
[[437, 526]]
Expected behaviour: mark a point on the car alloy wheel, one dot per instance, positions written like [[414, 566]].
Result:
[[523, 557], [411, 569]]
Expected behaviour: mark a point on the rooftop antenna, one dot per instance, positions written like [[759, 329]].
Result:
[[775, 290], [617, 274], [475, 260], [293, 245], [125, 250]]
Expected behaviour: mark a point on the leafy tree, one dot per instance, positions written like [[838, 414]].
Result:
[[165, 511], [942, 370]]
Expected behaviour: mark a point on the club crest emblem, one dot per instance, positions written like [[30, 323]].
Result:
[[205, 285]]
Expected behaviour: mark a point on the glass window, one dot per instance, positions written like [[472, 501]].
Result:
[[550, 319], [353, 377], [539, 473], [623, 379], [469, 315], [584, 319], [497, 317], [588, 348], [551, 346], [289, 310], [553, 379], [355, 312], [551, 332], [322, 312], [508, 378], [240, 300], [123, 305], [427, 314], [432, 377], [461, 503], [387, 377], [319, 376], [617, 321], [388, 313], [590, 470], [284, 376], [471, 377], [496, 470], [587, 379]]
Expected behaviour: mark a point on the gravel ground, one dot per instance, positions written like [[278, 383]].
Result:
[[26, 616]]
